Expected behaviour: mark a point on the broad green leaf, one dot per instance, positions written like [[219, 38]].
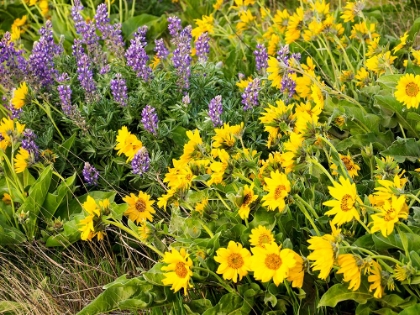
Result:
[[198, 306], [339, 292], [412, 310], [390, 80], [404, 149], [53, 200], [230, 303], [11, 236], [155, 275], [415, 27], [385, 311]]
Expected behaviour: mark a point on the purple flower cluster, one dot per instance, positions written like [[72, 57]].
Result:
[[136, 55], [174, 26], [261, 57], [284, 57], [90, 174], [161, 51], [250, 95], [86, 30], [182, 57], [13, 65], [216, 110], [28, 143], [85, 74], [141, 162], [150, 119], [111, 34], [71, 111], [202, 47], [119, 90], [41, 60]]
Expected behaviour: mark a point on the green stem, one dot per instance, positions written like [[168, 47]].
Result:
[[223, 201], [220, 280], [308, 206], [205, 227], [307, 215], [132, 233], [319, 165]]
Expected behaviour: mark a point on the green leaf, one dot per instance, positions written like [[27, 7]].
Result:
[[35, 199], [390, 81], [229, 304], [155, 275], [339, 292], [404, 149], [11, 236], [54, 200], [198, 306], [412, 310], [63, 151], [385, 311], [415, 27]]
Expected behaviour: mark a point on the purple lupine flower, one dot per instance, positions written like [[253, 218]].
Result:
[[28, 143], [119, 90], [288, 85], [182, 59], [86, 30], [141, 162], [14, 112], [63, 78], [202, 47], [90, 174], [41, 60], [85, 74], [261, 57], [283, 54], [71, 111], [64, 92], [13, 66], [150, 119], [161, 51], [250, 95], [186, 99], [174, 26], [136, 55], [111, 34], [284, 57], [105, 69], [216, 110]]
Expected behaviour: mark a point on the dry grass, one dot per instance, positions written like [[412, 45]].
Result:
[[39, 281]]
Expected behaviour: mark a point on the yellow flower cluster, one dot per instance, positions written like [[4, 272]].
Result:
[[127, 143], [92, 225]]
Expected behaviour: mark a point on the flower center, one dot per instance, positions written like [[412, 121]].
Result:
[[278, 191], [247, 199], [140, 205], [412, 89], [346, 203], [347, 162], [390, 215], [235, 261], [273, 261], [180, 270], [264, 239]]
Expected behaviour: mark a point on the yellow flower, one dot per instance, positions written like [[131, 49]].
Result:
[[192, 147], [350, 267], [144, 231], [139, 207], [155, 62], [278, 187], [261, 236], [390, 213], [281, 20], [204, 25], [87, 229], [363, 32], [351, 10], [43, 5], [348, 162], [273, 44], [163, 200], [389, 188], [375, 278], [179, 270], [180, 176], [246, 18], [91, 207], [21, 160], [7, 199], [402, 43], [296, 273], [16, 28], [218, 4], [272, 263], [19, 96], [217, 169], [235, 261], [294, 26], [226, 136], [343, 207], [408, 90], [362, 77], [9, 130], [242, 84], [274, 71], [247, 198], [127, 143], [324, 252], [380, 63], [201, 206]]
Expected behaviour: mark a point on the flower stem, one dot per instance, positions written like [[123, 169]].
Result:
[[220, 280], [307, 215]]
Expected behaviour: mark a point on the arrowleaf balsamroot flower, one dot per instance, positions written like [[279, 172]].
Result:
[[139, 207], [91, 226], [278, 187], [127, 143], [261, 236], [343, 208], [272, 262], [247, 198], [350, 267], [408, 90], [390, 213], [235, 261], [375, 278], [19, 96], [22, 160], [178, 270]]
